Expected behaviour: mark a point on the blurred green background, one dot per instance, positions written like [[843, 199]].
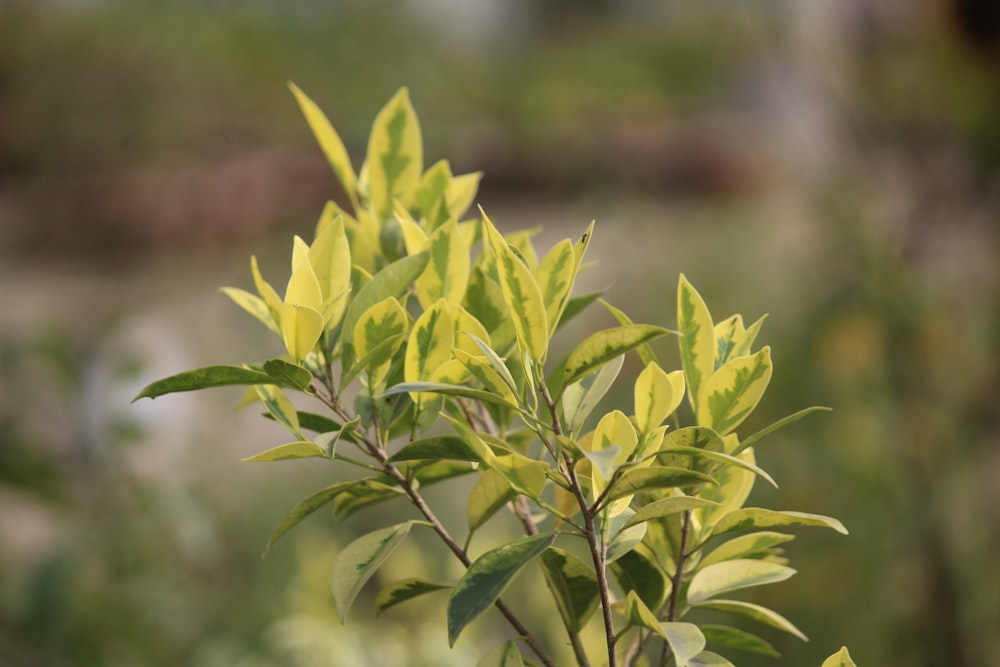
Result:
[[834, 164]]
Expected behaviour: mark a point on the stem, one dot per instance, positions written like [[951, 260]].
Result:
[[679, 574]]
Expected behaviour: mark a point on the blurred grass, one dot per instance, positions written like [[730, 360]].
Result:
[[868, 231]]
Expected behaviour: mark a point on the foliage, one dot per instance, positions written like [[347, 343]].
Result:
[[426, 334]]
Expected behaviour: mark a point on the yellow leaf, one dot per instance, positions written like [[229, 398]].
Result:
[[734, 391], [395, 155], [461, 192], [655, 396], [265, 290], [697, 340], [330, 257], [329, 142], [301, 327]]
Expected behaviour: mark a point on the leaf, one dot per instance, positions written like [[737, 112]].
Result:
[[734, 487], [755, 612], [580, 398], [734, 391], [461, 192], [366, 492], [839, 659], [656, 396], [603, 346], [448, 390], [391, 281], [288, 375], [638, 614], [292, 450], [723, 635], [488, 496], [574, 586], [709, 659], [316, 423], [667, 506], [447, 274], [645, 351], [403, 590], [395, 155], [301, 327], [604, 461], [203, 378], [359, 560], [522, 296], [305, 508], [625, 539], [329, 141], [486, 579], [505, 655], [637, 571], [429, 344], [555, 275], [525, 474], [697, 340], [751, 545], [637, 480], [436, 448], [784, 421], [253, 304], [279, 406], [758, 517], [686, 641], [722, 458], [732, 575], [575, 305]]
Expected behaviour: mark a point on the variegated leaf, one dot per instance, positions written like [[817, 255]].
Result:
[[395, 155], [697, 340], [734, 391]]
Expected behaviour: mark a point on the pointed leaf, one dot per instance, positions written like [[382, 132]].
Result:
[[576, 305], [639, 615], [603, 346], [279, 406], [638, 571], [203, 378], [686, 641], [751, 545], [784, 421], [447, 390], [573, 584], [667, 506], [305, 508], [253, 304], [637, 480], [301, 327], [461, 192], [292, 450], [722, 458], [580, 398], [839, 659], [734, 391], [723, 635], [329, 141], [436, 448], [486, 579], [359, 560], [645, 351], [755, 612], [488, 496], [391, 281], [757, 517], [732, 575], [555, 275], [395, 155], [288, 375], [655, 397], [697, 340], [403, 590]]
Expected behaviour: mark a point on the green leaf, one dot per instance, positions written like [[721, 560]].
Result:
[[722, 458], [490, 493], [288, 375], [645, 351], [447, 274], [316, 423], [603, 460], [292, 450], [329, 141], [365, 492], [755, 612], [555, 275], [573, 584], [494, 359], [757, 517], [486, 579], [522, 296], [202, 378], [305, 508], [575, 305], [686, 641], [436, 448], [734, 391], [580, 398], [279, 406], [447, 390], [751, 545], [625, 539], [784, 421], [359, 560], [697, 340], [505, 655], [403, 590], [839, 659], [603, 346], [638, 571], [639, 615], [709, 659], [528, 476], [657, 395], [667, 506], [723, 635], [301, 327], [395, 155], [732, 575], [391, 281], [429, 345], [636, 480]]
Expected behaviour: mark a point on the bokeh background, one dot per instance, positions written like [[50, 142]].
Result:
[[836, 164]]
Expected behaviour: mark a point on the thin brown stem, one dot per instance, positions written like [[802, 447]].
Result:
[[679, 574]]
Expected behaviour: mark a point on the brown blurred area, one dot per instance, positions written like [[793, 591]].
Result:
[[834, 164]]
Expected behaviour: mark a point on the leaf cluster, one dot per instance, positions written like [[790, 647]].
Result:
[[407, 313]]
